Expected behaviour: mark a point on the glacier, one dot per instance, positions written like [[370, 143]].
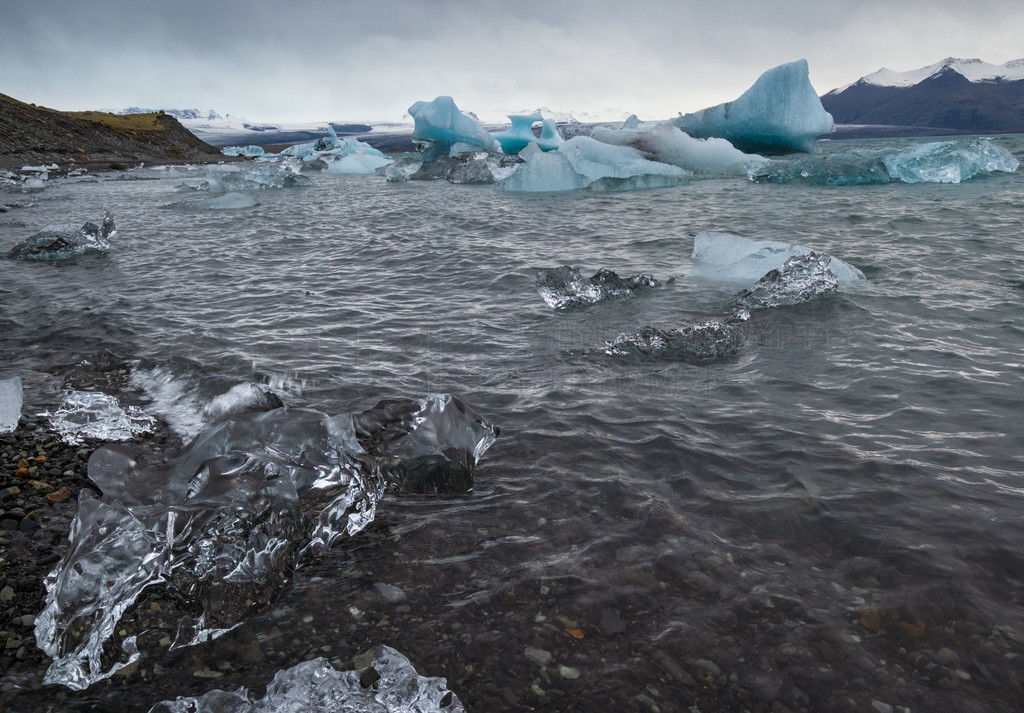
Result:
[[223, 523], [780, 112], [60, 242], [445, 130], [668, 144], [387, 683], [582, 161], [730, 257]]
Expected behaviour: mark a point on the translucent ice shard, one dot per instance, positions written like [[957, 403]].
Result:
[[224, 523], [703, 343], [800, 279], [91, 414], [442, 127], [389, 684], [732, 257], [667, 144], [10, 404], [264, 176], [57, 242], [950, 161], [565, 287], [780, 112]]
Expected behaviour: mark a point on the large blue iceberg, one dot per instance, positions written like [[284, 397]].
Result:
[[445, 130], [781, 112]]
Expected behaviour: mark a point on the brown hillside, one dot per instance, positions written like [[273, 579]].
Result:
[[33, 136]]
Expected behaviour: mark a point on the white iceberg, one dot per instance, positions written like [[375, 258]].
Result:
[[520, 135], [581, 162], [780, 112], [10, 404], [447, 130], [667, 144], [734, 258]]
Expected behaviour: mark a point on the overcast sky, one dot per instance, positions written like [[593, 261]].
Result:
[[350, 60]]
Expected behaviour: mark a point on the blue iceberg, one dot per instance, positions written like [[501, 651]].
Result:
[[520, 135], [445, 130], [781, 112], [582, 162], [243, 151]]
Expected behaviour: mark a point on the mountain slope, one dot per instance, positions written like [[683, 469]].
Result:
[[957, 95]]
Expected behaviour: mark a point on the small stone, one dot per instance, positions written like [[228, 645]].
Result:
[[538, 656], [390, 593], [881, 707], [568, 672], [207, 673], [40, 486], [709, 666], [59, 495]]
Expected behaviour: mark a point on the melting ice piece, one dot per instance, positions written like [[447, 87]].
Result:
[[950, 161], [780, 112], [731, 257], [389, 684], [582, 161], [703, 343], [227, 201], [426, 446], [61, 242], [667, 144], [264, 176], [225, 522], [475, 168], [520, 135], [243, 151], [442, 126], [10, 404], [91, 414], [564, 287], [800, 279]]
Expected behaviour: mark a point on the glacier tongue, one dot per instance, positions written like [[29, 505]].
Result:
[[780, 112], [388, 684]]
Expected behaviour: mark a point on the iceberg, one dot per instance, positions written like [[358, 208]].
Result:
[[266, 176], [582, 161], [243, 151], [445, 130], [224, 522], [800, 279], [565, 287], [667, 144], [731, 257], [781, 112], [388, 684], [477, 168], [520, 135], [10, 404], [704, 343], [92, 414], [338, 155], [60, 242], [932, 162]]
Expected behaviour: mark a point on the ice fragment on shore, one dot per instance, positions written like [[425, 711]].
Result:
[[224, 523], [564, 287], [57, 242], [800, 279], [92, 414], [732, 257], [389, 684], [703, 343], [780, 112], [10, 404]]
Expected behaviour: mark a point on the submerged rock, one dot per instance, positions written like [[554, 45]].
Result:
[[62, 242], [565, 287]]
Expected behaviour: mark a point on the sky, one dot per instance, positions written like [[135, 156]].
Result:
[[369, 60]]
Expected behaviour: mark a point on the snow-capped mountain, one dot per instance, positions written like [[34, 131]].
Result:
[[954, 94]]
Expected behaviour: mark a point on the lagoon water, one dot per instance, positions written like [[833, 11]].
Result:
[[830, 520]]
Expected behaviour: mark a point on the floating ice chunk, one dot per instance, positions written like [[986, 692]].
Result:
[[389, 684], [243, 151], [703, 343], [950, 161], [56, 242], [227, 519], [780, 112], [581, 161], [667, 144], [402, 169], [800, 279], [10, 404], [564, 287], [265, 176], [91, 414], [227, 201], [441, 126], [359, 159], [856, 167], [476, 168], [731, 257], [520, 135]]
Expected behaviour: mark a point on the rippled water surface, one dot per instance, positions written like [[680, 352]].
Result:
[[831, 519]]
